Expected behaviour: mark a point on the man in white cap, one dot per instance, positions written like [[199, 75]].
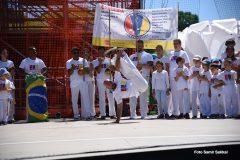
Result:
[[128, 81]]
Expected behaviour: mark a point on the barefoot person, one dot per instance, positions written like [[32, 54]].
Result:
[[128, 81]]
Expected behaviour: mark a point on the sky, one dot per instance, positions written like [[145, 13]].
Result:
[[205, 9]]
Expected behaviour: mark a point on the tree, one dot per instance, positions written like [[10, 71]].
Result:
[[185, 19]]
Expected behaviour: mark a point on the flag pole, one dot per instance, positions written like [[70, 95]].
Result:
[[109, 36]]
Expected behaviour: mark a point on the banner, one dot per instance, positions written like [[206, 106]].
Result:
[[153, 26], [36, 98]]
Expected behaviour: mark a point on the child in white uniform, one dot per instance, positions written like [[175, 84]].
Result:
[[181, 78], [204, 89], [230, 89], [9, 65], [6, 87], [160, 89], [194, 83], [217, 101]]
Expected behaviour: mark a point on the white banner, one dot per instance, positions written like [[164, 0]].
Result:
[[154, 26]]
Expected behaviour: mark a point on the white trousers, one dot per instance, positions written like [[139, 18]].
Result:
[[231, 101], [217, 104], [183, 101], [174, 92], [83, 89], [89, 111], [143, 103], [195, 96], [205, 104], [4, 110], [102, 104], [161, 101], [11, 108]]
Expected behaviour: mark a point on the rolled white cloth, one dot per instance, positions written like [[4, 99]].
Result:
[[129, 70]]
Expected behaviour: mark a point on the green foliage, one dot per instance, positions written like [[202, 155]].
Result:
[[185, 19]]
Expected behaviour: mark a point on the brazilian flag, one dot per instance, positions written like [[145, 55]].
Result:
[[36, 98]]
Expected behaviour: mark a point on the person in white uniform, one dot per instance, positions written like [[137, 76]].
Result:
[[6, 87], [101, 66], [128, 81], [32, 64], [162, 58], [9, 65], [178, 52], [90, 82], [195, 71], [217, 98], [160, 89], [204, 89], [144, 63], [230, 89], [182, 79], [76, 69]]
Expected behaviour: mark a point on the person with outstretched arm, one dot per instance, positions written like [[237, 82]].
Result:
[[128, 81]]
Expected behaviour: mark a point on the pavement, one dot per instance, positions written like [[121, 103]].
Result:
[[66, 138]]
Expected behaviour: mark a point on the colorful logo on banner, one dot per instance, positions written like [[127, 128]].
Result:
[[136, 25]]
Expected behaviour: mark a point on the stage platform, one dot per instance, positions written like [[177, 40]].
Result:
[[64, 138]]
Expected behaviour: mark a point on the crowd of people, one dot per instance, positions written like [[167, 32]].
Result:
[[180, 85]]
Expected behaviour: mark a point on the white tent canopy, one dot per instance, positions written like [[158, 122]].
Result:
[[207, 38]]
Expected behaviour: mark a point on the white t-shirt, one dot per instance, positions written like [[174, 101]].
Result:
[[75, 78], [204, 85], [229, 78], [32, 66], [181, 83], [172, 56], [213, 83], [164, 60], [124, 89], [102, 76], [7, 64], [194, 82], [5, 87], [143, 58], [160, 81]]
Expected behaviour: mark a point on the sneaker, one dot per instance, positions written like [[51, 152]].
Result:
[[166, 116], [186, 116], [143, 117], [76, 118], [201, 115], [222, 116], [172, 117], [180, 116], [113, 117], [194, 117], [88, 119], [4, 123], [204, 117], [161, 116], [132, 118], [103, 117]]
